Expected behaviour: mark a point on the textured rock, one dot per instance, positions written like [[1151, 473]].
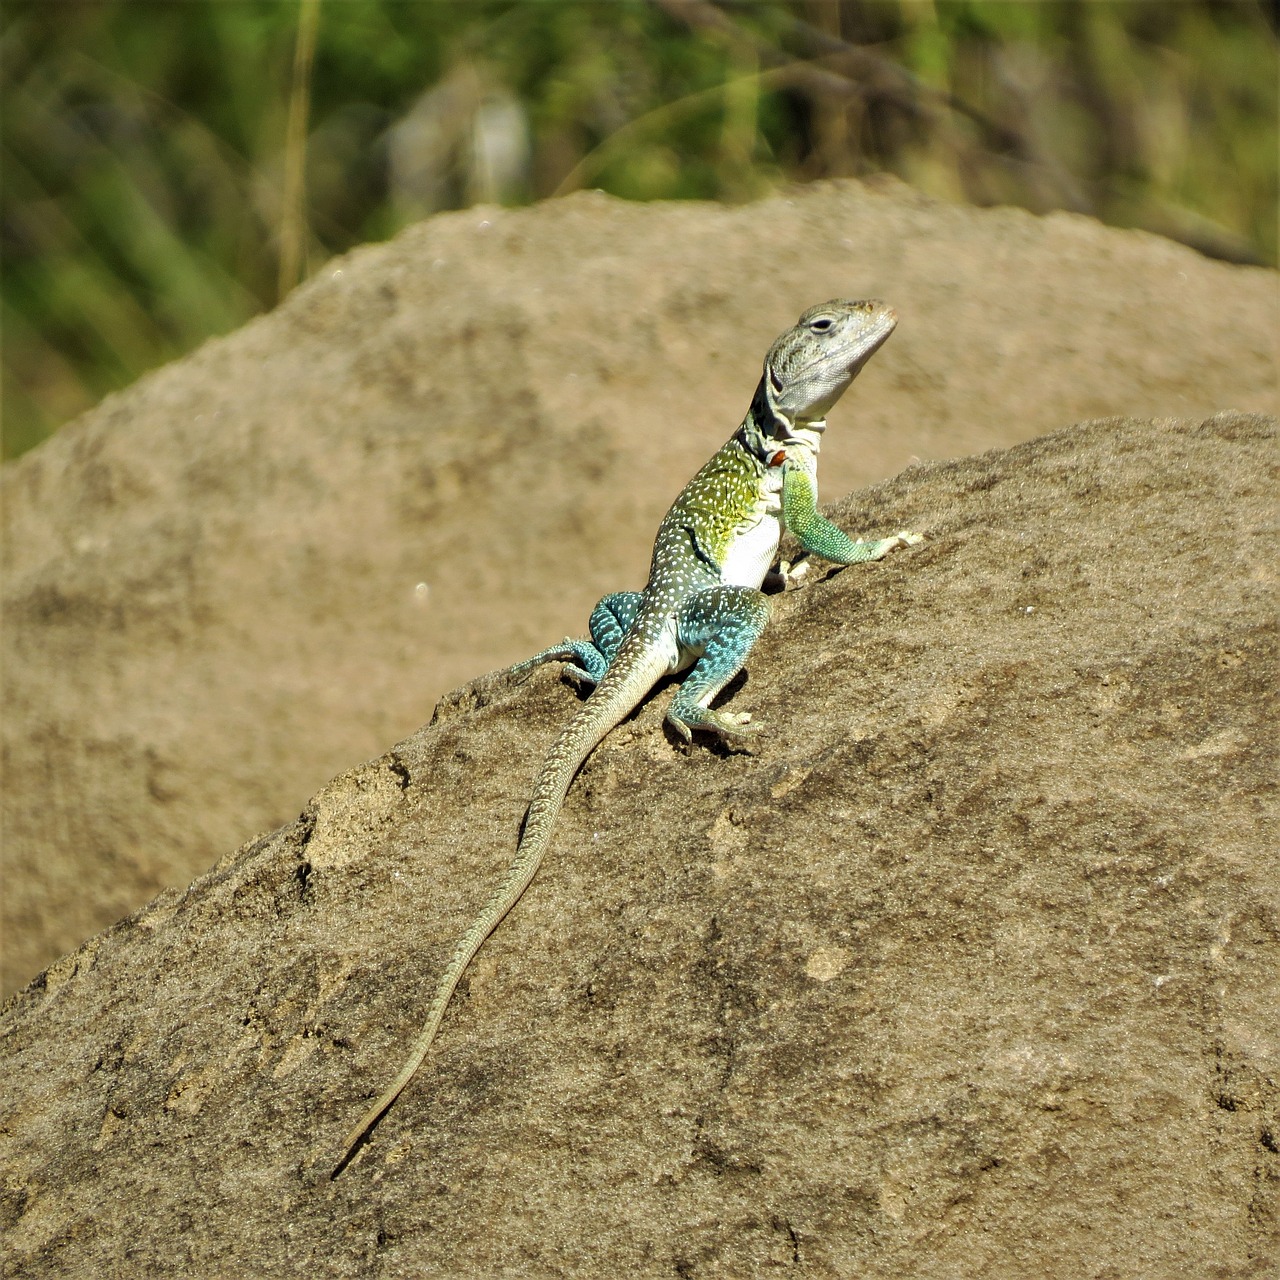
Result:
[[267, 560], [971, 969]]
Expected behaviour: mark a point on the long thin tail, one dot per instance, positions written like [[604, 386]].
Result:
[[627, 681]]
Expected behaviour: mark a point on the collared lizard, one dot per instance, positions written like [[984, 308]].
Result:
[[702, 606]]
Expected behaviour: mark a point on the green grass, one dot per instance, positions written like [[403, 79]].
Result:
[[146, 159]]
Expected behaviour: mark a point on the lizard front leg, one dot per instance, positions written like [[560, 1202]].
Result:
[[721, 624], [818, 534]]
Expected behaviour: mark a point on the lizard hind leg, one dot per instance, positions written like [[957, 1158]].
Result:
[[611, 619], [721, 624], [586, 661]]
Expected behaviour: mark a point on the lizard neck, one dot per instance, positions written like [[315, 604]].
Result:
[[765, 431]]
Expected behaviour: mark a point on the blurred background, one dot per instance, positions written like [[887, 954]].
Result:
[[172, 168]]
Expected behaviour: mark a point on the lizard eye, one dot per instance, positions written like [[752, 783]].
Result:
[[821, 325]]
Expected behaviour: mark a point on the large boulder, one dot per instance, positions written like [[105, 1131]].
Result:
[[267, 560], [969, 968]]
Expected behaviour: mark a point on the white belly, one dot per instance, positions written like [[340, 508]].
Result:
[[752, 550]]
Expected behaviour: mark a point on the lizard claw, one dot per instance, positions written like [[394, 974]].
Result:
[[792, 573], [681, 728]]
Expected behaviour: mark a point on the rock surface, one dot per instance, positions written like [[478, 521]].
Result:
[[267, 560], [970, 969]]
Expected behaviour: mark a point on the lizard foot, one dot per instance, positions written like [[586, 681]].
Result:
[[728, 725], [581, 680], [789, 575], [899, 540], [521, 671]]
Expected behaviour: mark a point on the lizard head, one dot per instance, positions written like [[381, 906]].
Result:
[[811, 365]]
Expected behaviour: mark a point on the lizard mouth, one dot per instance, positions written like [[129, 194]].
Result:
[[875, 337]]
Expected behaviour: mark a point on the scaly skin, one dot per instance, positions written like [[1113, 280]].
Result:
[[702, 606]]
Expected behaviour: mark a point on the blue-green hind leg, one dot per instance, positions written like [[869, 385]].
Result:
[[587, 660], [722, 624], [611, 619]]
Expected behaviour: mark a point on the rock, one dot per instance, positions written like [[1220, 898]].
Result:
[[268, 559], [971, 968]]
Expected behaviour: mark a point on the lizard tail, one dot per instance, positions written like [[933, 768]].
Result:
[[626, 682]]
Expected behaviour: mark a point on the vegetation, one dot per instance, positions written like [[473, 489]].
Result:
[[169, 169]]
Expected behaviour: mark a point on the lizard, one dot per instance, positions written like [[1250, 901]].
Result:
[[702, 607]]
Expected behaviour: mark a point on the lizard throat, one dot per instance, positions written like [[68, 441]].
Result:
[[765, 430], [808, 436]]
